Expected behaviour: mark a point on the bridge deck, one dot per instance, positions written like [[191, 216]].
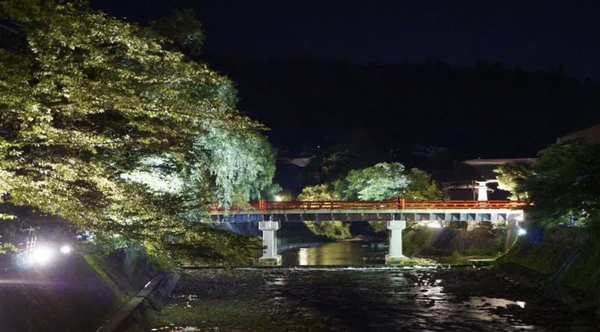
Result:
[[376, 205], [371, 210]]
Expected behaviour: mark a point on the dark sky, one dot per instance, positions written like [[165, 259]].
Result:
[[532, 34]]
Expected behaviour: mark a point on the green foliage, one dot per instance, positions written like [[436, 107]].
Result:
[[270, 191], [379, 226], [242, 164], [332, 229], [379, 182], [510, 176], [102, 125], [7, 247], [183, 30], [321, 192], [564, 185], [417, 238], [421, 186]]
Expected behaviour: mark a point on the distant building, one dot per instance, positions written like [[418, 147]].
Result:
[[591, 133], [300, 162], [299, 158], [461, 182]]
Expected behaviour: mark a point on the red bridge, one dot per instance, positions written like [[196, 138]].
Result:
[[395, 212], [396, 204]]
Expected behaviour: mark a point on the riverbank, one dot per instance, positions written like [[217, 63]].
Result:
[[76, 292], [562, 261], [361, 299]]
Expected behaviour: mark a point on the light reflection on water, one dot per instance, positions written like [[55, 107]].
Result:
[[385, 300], [336, 253], [377, 297]]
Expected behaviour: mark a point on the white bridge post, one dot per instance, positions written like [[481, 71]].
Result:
[[395, 255], [269, 256]]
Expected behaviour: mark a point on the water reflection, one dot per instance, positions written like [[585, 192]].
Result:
[[363, 298], [337, 253]]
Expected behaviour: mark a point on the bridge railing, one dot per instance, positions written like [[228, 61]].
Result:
[[264, 205]]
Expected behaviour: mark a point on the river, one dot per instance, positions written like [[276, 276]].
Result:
[[341, 253], [299, 297]]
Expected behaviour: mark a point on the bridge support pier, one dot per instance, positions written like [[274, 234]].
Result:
[[395, 256], [269, 256]]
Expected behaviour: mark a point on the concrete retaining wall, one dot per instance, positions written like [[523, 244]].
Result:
[[139, 314], [563, 261]]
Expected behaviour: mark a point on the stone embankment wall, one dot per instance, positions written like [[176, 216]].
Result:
[[483, 240], [563, 261], [76, 293]]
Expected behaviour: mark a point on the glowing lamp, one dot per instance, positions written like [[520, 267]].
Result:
[[42, 255]]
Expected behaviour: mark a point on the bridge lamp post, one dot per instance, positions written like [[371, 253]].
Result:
[[482, 190], [519, 220]]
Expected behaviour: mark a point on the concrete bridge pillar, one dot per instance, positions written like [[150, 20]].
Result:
[[395, 255], [269, 256]]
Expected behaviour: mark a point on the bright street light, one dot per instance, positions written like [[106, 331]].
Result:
[[66, 249], [278, 198], [42, 255]]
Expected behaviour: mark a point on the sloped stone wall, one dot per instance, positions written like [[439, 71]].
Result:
[[75, 293], [564, 261]]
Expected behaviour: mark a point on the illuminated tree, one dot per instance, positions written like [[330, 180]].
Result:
[[334, 229], [563, 185], [510, 176], [421, 186], [104, 126], [321, 192], [381, 181]]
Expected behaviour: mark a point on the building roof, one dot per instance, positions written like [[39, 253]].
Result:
[[477, 170], [495, 162], [592, 133]]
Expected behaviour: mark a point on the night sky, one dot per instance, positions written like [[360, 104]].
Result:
[[532, 34], [355, 80]]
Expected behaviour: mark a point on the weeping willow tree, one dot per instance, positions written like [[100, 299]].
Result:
[[106, 125]]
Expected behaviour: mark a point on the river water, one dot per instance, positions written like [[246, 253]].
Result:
[[336, 253], [362, 298]]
